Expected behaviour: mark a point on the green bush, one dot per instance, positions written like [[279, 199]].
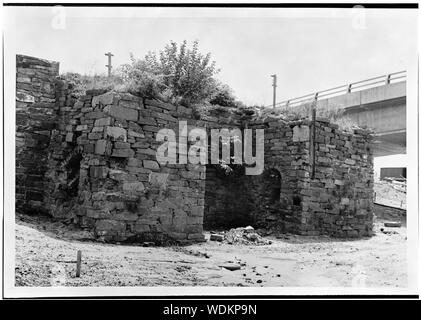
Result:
[[177, 74], [223, 96]]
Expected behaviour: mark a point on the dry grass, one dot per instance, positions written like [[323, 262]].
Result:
[[335, 114], [82, 83]]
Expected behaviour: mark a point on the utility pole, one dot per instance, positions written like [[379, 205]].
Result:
[[109, 66], [274, 89]]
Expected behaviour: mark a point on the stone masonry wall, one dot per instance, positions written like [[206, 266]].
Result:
[[338, 200], [288, 197], [226, 202], [92, 159], [65, 155], [123, 193], [276, 193], [35, 118]]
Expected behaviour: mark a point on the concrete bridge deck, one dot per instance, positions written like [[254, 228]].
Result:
[[378, 103]]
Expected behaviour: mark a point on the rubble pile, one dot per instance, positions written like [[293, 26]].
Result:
[[247, 236]]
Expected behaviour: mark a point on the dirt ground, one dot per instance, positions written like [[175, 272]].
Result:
[[46, 253], [390, 194]]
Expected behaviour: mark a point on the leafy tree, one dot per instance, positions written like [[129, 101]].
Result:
[[178, 74]]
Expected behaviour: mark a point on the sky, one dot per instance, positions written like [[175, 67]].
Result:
[[309, 49]]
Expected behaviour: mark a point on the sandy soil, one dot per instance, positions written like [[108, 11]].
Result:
[[46, 254]]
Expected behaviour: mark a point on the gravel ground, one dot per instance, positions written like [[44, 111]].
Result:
[[46, 254]]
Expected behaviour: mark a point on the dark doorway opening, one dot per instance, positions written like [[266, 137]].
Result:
[[272, 186], [227, 201]]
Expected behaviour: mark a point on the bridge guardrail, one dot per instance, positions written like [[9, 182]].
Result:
[[344, 89]]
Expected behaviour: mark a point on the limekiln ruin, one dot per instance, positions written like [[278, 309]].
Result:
[[92, 159]]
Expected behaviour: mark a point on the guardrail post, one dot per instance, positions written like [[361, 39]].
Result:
[[348, 90], [380, 80]]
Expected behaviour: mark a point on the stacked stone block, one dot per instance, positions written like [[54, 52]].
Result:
[[124, 193], [226, 197], [276, 193], [35, 119], [64, 154], [337, 201]]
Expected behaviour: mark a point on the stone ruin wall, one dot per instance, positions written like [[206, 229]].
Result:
[[35, 118], [336, 201], [96, 165], [122, 191]]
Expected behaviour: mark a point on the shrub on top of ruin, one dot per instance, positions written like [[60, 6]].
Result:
[[142, 79], [223, 96], [177, 74]]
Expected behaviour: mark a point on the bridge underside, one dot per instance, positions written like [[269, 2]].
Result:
[[390, 143], [388, 120], [382, 109]]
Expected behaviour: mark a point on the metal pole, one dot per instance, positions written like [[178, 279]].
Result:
[[274, 89], [109, 66], [313, 141]]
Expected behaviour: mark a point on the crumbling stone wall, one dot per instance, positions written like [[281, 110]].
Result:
[[35, 118], [338, 199], [95, 163], [264, 200], [123, 192], [325, 191], [65, 155], [226, 200], [331, 194], [276, 193]]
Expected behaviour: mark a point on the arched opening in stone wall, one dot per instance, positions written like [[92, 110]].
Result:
[[73, 169], [272, 186], [65, 187], [271, 201]]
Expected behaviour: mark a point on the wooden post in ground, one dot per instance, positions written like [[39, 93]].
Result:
[[78, 263]]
